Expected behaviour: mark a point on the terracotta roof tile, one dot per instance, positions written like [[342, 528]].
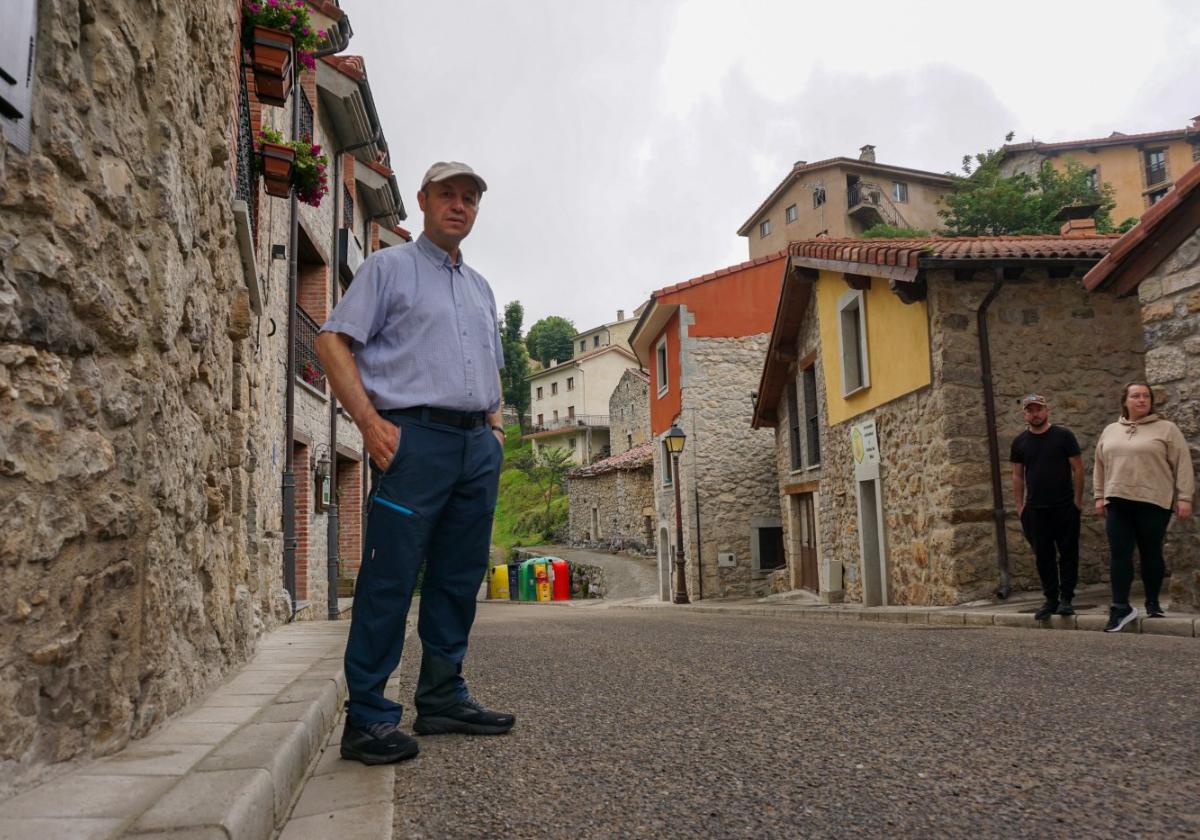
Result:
[[640, 456], [910, 253], [721, 272], [1114, 139], [1145, 229], [351, 66]]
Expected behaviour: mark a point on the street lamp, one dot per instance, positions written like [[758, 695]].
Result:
[[675, 439]]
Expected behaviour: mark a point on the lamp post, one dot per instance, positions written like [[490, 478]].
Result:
[[675, 439]]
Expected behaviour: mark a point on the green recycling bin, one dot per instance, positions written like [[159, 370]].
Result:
[[527, 579]]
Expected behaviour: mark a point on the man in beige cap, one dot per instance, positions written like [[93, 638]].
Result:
[[413, 353]]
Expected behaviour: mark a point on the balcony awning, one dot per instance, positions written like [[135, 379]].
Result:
[[378, 194]]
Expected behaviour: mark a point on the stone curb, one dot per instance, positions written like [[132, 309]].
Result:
[[1185, 627], [231, 767]]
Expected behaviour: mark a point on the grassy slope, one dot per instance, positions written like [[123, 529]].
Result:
[[517, 495]]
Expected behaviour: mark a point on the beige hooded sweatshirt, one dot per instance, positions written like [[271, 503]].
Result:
[[1144, 460]]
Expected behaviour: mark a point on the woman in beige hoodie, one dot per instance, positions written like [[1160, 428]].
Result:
[[1143, 472]]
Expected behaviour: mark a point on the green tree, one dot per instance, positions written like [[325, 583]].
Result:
[[516, 360], [550, 338], [986, 202], [545, 470]]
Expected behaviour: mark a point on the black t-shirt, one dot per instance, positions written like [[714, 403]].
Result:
[[1047, 466]]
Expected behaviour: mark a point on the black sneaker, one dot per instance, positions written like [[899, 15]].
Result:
[[1118, 617], [1065, 608], [377, 743], [469, 717], [1153, 610], [1045, 611]]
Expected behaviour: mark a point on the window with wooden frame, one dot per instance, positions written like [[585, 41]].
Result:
[[764, 228], [660, 364], [791, 214], [852, 341], [812, 424], [793, 409], [900, 192]]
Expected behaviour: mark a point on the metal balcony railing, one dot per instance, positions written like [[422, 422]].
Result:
[[863, 195], [306, 116], [247, 181], [347, 208], [308, 366], [581, 421]]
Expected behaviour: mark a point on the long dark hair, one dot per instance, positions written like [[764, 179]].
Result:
[[1125, 396]]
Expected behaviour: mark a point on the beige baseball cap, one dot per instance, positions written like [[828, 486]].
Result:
[[442, 170], [1032, 399]]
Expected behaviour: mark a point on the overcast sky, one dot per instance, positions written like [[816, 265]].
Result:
[[625, 141]]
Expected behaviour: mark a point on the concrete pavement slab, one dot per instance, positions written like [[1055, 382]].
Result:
[[63, 828], [204, 832], [978, 619], [366, 822], [145, 759], [1026, 620], [220, 714], [238, 801], [940, 617], [349, 785], [917, 617], [1090, 622], [115, 797], [189, 732]]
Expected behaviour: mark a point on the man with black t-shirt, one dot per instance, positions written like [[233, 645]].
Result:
[[1047, 478]]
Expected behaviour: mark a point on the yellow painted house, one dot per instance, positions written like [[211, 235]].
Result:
[[893, 379], [1142, 168]]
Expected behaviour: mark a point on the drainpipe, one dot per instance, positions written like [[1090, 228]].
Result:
[[343, 32], [989, 410], [333, 522]]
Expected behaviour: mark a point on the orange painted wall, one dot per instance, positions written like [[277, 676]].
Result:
[[664, 409], [741, 303]]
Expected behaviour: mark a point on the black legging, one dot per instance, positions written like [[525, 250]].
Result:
[[1141, 524]]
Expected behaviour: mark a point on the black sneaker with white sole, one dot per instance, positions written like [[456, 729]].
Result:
[[1153, 610], [377, 743], [1118, 617]]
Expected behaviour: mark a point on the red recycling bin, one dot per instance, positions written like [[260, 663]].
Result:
[[561, 575]]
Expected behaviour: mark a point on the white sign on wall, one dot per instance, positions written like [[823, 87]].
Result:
[[864, 444]]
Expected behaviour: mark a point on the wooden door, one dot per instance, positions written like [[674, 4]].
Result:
[[806, 541]]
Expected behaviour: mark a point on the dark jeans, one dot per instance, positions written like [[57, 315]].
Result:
[[1141, 524], [433, 504], [1054, 531]]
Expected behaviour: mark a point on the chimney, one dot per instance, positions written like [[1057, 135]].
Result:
[[620, 314], [1078, 227], [867, 153], [800, 164], [553, 362], [1078, 220], [1196, 122]]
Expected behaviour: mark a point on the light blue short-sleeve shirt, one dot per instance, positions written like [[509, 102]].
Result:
[[424, 331]]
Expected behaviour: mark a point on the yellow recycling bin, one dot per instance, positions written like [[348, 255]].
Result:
[[498, 582], [541, 574]]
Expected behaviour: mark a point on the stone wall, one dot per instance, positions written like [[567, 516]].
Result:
[[620, 498], [128, 478], [629, 412], [1170, 298], [729, 463]]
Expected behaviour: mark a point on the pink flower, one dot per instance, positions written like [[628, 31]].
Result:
[[274, 4], [304, 31], [321, 34]]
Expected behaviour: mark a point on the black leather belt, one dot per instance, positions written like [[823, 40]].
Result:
[[443, 416]]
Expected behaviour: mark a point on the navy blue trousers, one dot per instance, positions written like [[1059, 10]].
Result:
[[434, 504]]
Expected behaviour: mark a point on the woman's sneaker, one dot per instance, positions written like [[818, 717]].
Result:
[[1153, 610], [1118, 617]]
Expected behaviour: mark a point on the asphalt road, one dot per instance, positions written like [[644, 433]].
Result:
[[670, 724]]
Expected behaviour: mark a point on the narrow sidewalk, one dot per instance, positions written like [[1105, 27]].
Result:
[[229, 768], [1016, 611]]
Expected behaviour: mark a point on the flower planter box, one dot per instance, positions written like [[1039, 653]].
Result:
[[271, 56], [277, 169]]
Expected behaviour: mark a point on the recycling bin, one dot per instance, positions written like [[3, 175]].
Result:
[[560, 579], [526, 580], [514, 577], [498, 582], [541, 576]]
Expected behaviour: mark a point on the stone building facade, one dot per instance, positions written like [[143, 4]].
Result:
[[702, 342], [133, 563], [611, 502], [1167, 285], [142, 347], [918, 526]]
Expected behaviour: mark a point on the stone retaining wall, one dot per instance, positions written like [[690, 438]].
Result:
[[1170, 298], [620, 498]]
